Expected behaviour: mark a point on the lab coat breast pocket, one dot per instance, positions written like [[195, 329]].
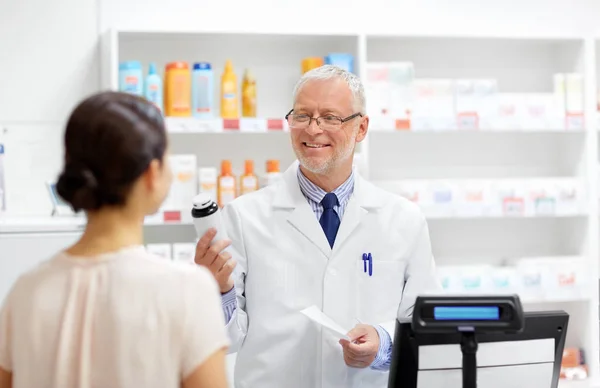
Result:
[[379, 294]]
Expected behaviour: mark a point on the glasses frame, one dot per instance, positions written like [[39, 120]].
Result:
[[310, 119]]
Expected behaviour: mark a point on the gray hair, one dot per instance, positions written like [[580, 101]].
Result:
[[328, 72]]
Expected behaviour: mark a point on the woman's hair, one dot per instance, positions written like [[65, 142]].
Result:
[[110, 140]]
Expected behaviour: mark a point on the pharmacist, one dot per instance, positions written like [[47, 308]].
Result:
[[320, 236]]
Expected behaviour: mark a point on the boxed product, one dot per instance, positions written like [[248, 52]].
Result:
[[508, 198], [160, 250], [465, 279], [573, 365], [475, 101], [472, 198], [503, 280], [541, 198], [207, 181], [532, 278], [184, 252], [569, 96], [570, 196], [507, 113], [541, 112], [566, 278], [389, 91], [434, 108], [184, 186], [437, 199]]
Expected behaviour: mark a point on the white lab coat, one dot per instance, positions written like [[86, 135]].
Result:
[[285, 264]]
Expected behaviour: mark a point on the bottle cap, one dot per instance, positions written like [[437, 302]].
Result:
[[248, 76], [152, 68], [177, 65], [249, 167], [202, 66], [130, 65], [202, 201], [228, 66], [226, 167], [273, 165]]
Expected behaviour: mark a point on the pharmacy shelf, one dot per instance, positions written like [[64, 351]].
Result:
[[246, 125], [576, 384], [276, 75], [528, 149], [471, 155]]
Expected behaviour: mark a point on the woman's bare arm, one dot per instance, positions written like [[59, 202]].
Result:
[[210, 374], [5, 379]]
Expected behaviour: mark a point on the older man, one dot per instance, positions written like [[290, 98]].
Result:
[[321, 236]]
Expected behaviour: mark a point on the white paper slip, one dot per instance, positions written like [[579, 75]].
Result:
[[319, 317]]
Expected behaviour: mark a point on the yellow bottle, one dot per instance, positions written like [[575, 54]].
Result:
[[248, 181], [229, 93], [311, 63], [249, 95]]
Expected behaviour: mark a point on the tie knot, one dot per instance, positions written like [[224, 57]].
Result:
[[329, 201]]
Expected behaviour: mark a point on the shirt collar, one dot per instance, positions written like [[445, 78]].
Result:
[[316, 194]]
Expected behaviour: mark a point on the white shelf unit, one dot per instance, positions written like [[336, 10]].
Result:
[[521, 65]]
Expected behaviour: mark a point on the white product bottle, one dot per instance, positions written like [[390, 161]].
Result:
[[207, 181], [206, 215]]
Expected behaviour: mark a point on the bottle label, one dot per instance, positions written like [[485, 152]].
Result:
[[181, 100], [131, 84], [249, 184], [226, 190], [229, 96], [154, 95], [202, 95]]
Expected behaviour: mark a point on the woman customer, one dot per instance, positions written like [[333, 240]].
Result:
[[104, 312]]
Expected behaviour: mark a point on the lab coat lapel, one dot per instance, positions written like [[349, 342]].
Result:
[[363, 200], [301, 216]]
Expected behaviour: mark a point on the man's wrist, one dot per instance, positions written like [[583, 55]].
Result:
[[228, 291], [382, 358]]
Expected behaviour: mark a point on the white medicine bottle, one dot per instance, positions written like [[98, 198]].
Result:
[[206, 215]]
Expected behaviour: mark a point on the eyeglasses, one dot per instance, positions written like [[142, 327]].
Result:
[[326, 123]]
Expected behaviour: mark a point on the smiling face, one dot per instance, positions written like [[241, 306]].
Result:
[[326, 152]]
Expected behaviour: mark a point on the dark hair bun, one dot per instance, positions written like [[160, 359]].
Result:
[[79, 187], [110, 140]]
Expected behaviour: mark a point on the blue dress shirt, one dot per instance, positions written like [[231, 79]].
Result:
[[314, 194]]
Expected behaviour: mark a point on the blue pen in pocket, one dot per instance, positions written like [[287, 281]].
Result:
[[370, 265], [365, 258]]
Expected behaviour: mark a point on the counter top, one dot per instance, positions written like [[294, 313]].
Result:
[[37, 224], [57, 224]]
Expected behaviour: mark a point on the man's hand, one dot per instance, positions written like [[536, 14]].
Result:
[[361, 350], [220, 263]]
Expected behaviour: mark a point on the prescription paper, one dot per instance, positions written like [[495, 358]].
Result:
[[316, 315]]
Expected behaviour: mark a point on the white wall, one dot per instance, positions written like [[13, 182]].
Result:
[[48, 61], [49, 52], [421, 17]]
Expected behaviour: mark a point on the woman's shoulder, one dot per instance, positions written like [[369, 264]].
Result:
[[184, 272]]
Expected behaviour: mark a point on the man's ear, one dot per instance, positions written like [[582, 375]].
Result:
[[362, 129]]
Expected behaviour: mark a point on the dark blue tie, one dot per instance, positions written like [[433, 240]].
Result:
[[330, 221]]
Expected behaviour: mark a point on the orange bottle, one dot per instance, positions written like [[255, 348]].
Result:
[[177, 90], [248, 181], [273, 174], [226, 187], [273, 166], [311, 63]]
